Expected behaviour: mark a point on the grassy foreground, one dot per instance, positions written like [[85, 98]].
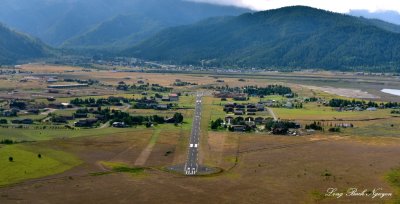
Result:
[[27, 165]]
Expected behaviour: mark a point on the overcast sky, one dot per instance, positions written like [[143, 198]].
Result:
[[342, 6]]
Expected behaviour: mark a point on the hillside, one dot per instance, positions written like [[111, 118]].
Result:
[[94, 23], [16, 46], [288, 37], [123, 31]]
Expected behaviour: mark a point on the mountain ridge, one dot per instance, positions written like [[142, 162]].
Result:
[[295, 36], [16, 46]]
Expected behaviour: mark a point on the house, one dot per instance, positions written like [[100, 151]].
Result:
[[253, 110], [165, 98], [81, 115], [371, 109], [251, 105], [230, 105], [86, 123], [228, 109], [100, 117], [259, 120], [51, 99], [238, 112], [260, 107], [10, 113], [251, 113], [240, 98], [23, 121], [240, 106], [228, 119], [52, 80], [173, 97], [288, 105], [162, 107], [118, 124], [33, 111], [239, 128], [61, 119]]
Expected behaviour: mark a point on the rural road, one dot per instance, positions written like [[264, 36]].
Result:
[[191, 165], [271, 112]]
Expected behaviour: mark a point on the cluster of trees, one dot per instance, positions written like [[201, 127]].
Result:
[[3, 121], [280, 127], [269, 90], [89, 82], [7, 142], [217, 124], [92, 102], [312, 99], [144, 87], [354, 103], [18, 104], [337, 102], [119, 116], [395, 112], [334, 129], [257, 91], [159, 88], [183, 83], [314, 126]]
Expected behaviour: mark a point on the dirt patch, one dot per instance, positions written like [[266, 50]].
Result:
[[145, 154]]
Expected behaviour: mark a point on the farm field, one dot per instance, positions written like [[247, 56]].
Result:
[[105, 163]]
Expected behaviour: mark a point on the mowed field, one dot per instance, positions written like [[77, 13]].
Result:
[[110, 165]]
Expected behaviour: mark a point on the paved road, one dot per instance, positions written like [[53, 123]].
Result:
[[192, 165]]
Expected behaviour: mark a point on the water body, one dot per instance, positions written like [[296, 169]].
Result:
[[391, 91]]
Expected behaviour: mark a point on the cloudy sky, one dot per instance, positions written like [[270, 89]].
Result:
[[342, 6]]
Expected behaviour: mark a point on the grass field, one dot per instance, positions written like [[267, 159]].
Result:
[[27, 165], [50, 134]]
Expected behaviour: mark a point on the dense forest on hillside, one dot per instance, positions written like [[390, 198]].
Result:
[[297, 37], [16, 46]]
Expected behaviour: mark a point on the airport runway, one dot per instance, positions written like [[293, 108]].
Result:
[[192, 162]]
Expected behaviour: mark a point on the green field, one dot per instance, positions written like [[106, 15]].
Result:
[[27, 165], [49, 134], [314, 111]]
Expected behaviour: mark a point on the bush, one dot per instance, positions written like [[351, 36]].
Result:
[[334, 129], [7, 142], [11, 159]]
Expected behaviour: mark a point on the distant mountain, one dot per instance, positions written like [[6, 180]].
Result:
[[388, 16], [100, 23], [16, 47], [294, 37]]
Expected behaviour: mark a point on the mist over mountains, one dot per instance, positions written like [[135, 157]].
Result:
[[72, 22]]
